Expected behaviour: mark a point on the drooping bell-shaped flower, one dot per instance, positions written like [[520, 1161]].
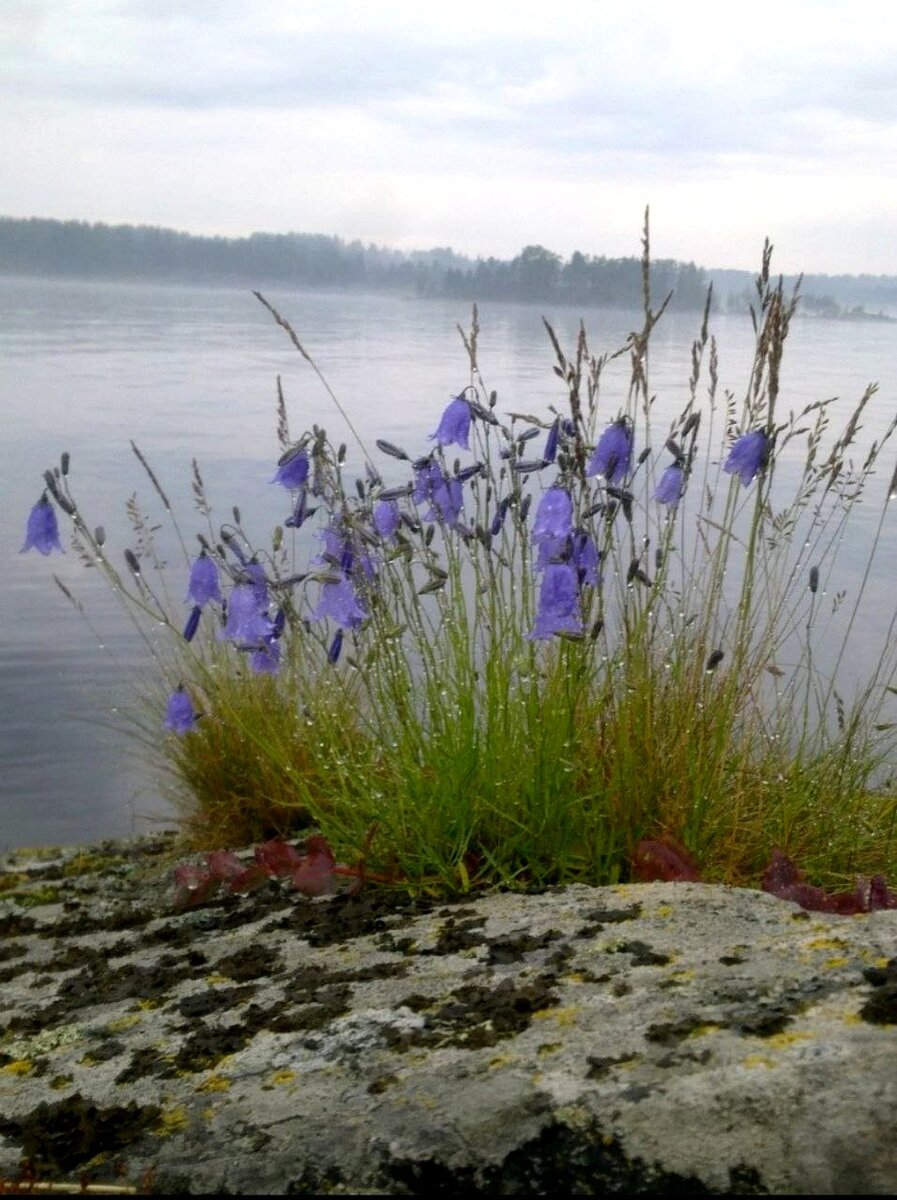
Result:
[[180, 716], [340, 603], [203, 585], [586, 558], [669, 490], [558, 603], [386, 519], [192, 623], [612, 457], [454, 428], [42, 531], [292, 469], [553, 525], [246, 623], [254, 572], [443, 493], [748, 456], [550, 453], [265, 659], [554, 516]]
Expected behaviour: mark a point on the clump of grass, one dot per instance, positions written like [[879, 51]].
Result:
[[550, 636]]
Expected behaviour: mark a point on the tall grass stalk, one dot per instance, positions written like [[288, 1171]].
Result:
[[419, 675]]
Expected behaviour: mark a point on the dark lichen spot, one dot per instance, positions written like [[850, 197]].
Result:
[[13, 950], [599, 917], [456, 936], [381, 1084], [16, 925], [764, 1022], [731, 960], [641, 954], [670, 1032], [513, 946], [252, 962], [881, 1007], [103, 1051], [58, 1137], [600, 1067], [213, 1000], [476, 1015], [346, 917]]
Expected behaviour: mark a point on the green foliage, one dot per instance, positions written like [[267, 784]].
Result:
[[457, 748]]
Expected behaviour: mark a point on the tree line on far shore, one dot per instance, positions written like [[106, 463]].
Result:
[[38, 246]]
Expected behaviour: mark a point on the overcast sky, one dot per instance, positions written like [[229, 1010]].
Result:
[[468, 123]]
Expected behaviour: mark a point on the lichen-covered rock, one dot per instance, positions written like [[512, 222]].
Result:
[[642, 1038]]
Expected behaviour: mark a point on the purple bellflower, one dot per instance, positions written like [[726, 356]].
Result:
[[558, 603], [246, 620], [340, 603], [444, 494], [203, 585], [550, 453], [586, 558], [180, 716], [669, 490], [454, 428], [748, 456], [192, 623], [292, 470], [387, 519], [265, 659], [42, 532], [553, 524], [613, 454]]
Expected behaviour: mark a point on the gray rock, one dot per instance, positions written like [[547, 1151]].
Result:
[[641, 1038]]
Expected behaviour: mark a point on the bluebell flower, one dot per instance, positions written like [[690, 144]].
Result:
[[192, 623], [335, 647], [42, 532], [386, 519], [558, 603], [613, 454], [292, 469], [443, 494], [748, 456], [265, 659], [246, 621], [550, 453], [454, 428], [554, 516], [180, 716], [301, 511], [340, 603], [586, 558], [669, 490], [255, 573], [203, 585]]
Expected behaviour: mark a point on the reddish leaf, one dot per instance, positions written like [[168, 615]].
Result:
[[781, 873], [314, 874], [248, 880], [278, 858], [192, 885], [224, 865], [663, 860]]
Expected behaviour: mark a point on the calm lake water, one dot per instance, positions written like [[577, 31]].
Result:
[[192, 372]]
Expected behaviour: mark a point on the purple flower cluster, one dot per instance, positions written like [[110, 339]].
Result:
[[568, 559]]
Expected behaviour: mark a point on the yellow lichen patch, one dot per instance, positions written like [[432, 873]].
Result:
[[788, 1038], [549, 1048], [575, 977], [38, 897], [209, 1114], [664, 910], [215, 979], [704, 1030], [58, 1082], [148, 1005], [279, 1078], [21, 1066], [758, 1060], [826, 942], [87, 1061], [8, 882], [173, 1120], [122, 1023], [503, 1060], [684, 976], [836, 961], [562, 1016], [214, 1083]]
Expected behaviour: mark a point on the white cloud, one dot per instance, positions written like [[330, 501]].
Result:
[[425, 124]]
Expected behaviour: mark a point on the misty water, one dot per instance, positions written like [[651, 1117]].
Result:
[[192, 372]]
